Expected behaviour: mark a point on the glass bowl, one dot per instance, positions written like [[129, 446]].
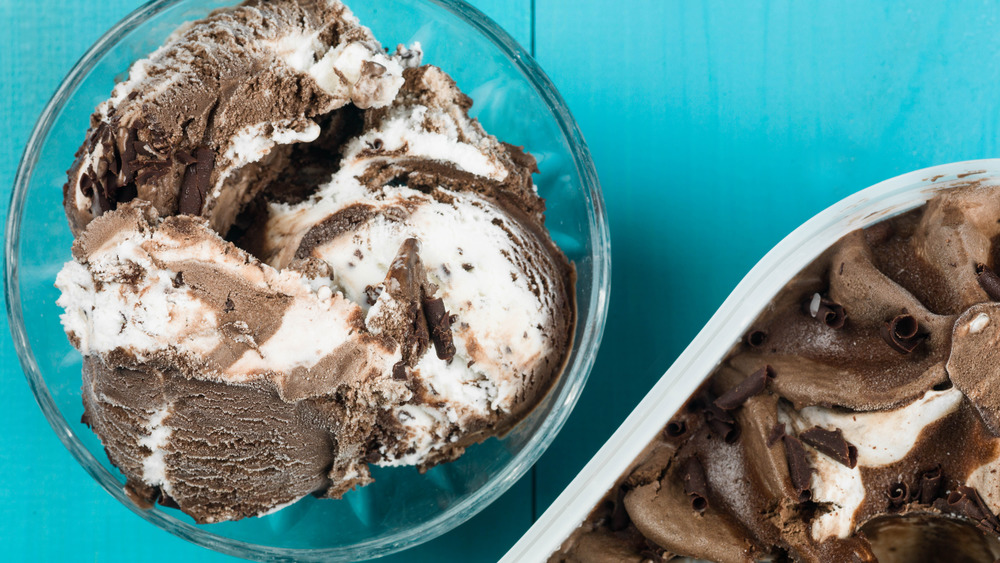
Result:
[[726, 327], [513, 99]]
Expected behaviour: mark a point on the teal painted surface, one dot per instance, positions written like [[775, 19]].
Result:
[[716, 128]]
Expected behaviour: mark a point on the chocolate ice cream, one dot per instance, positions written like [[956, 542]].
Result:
[[858, 420], [366, 277]]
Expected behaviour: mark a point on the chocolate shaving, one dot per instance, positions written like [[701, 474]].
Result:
[[439, 323], [799, 469], [989, 281], [676, 428], [756, 339], [902, 333], [930, 485], [194, 185], [967, 502], [832, 444], [830, 313], [721, 423], [695, 485], [750, 386], [777, 432], [899, 494]]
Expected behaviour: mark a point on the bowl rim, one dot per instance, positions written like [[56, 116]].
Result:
[[729, 323], [581, 361]]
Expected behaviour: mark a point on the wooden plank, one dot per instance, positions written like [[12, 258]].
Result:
[[718, 127]]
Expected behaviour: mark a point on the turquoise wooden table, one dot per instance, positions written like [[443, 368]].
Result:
[[716, 127]]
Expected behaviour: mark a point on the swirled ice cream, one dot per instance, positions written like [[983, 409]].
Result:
[[859, 419], [297, 256]]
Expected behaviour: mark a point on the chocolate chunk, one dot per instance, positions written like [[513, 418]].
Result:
[[899, 494], [756, 339], [439, 323], [832, 444], [930, 485], [902, 333], [695, 485], [989, 281], [399, 371], [750, 386], [799, 469], [195, 184]]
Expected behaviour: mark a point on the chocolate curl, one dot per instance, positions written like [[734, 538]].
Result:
[[695, 485], [902, 333], [825, 310], [989, 281], [750, 386], [722, 423], [899, 494], [832, 444], [967, 502], [930, 485], [756, 339], [675, 429], [439, 323], [798, 467]]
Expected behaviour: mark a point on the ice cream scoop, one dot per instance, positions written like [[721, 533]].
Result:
[[207, 120], [381, 291]]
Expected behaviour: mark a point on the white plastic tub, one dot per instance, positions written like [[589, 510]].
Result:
[[724, 329]]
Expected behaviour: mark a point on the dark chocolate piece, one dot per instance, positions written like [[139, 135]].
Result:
[[676, 428], [799, 469], [399, 371], [721, 423], [830, 313], [899, 494], [930, 485], [902, 333], [989, 281], [750, 386], [832, 444], [439, 323], [967, 502], [695, 485]]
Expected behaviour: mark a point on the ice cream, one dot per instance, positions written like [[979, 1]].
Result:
[[366, 278], [208, 119], [858, 420]]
